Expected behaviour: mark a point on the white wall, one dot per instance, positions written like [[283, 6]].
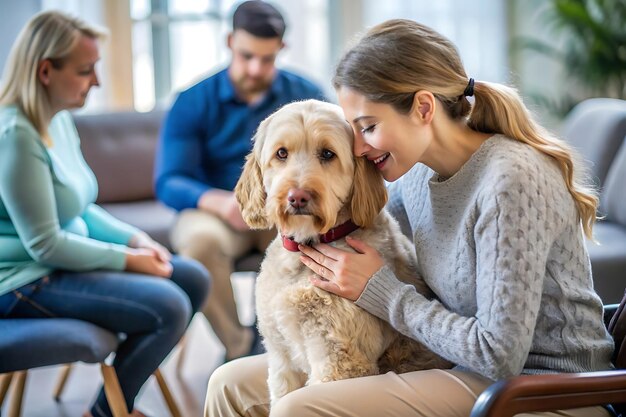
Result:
[[13, 15]]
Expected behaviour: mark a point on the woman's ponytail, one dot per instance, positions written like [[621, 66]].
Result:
[[499, 109]]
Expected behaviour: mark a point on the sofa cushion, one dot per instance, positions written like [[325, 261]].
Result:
[[613, 198], [148, 215], [596, 128], [120, 149], [608, 261]]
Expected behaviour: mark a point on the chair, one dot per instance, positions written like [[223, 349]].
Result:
[[608, 259], [31, 343], [528, 393], [596, 128]]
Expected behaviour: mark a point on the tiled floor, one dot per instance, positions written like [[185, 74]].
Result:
[[188, 386]]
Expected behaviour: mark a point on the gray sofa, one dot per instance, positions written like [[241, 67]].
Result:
[[120, 149], [597, 129]]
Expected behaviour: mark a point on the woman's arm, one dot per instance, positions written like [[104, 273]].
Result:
[[26, 189], [511, 258], [107, 228], [513, 237]]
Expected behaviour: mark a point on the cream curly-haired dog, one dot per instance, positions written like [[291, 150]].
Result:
[[302, 178]]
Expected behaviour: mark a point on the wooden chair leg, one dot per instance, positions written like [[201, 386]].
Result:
[[167, 394], [5, 383], [18, 394], [65, 373], [113, 391], [182, 353]]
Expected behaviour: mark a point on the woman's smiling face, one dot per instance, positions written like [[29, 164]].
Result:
[[394, 142]]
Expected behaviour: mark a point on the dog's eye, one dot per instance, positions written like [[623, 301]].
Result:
[[326, 155], [281, 154]]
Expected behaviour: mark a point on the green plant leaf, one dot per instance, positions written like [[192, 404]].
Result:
[[593, 51]]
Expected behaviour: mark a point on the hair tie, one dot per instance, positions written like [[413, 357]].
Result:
[[469, 90]]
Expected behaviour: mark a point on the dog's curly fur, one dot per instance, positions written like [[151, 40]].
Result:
[[313, 336]]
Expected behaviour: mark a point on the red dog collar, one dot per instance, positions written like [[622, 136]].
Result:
[[333, 234]]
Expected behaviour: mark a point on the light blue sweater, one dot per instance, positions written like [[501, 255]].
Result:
[[48, 219], [501, 245]]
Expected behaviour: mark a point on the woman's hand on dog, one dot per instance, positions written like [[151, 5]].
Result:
[[341, 272]]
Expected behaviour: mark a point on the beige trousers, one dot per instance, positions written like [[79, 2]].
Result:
[[206, 238], [239, 388]]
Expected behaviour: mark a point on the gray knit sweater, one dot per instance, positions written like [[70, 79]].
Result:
[[501, 245]]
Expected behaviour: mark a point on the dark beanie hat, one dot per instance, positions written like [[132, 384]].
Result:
[[260, 19]]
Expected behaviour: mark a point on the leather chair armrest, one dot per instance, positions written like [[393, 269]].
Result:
[[550, 392], [608, 313]]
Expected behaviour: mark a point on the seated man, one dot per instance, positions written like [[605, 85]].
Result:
[[203, 144]]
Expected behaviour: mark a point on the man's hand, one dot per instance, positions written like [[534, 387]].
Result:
[[223, 204], [232, 215]]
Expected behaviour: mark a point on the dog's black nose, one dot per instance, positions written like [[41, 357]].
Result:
[[298, 198]]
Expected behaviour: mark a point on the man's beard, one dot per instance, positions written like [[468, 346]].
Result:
[[247, 85]]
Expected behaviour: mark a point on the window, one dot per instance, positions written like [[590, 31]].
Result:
[[477, 28], [176, 43]]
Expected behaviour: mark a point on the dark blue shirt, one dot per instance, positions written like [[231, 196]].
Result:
[[208, 132]]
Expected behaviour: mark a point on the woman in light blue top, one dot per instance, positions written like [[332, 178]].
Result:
[[60, 254]]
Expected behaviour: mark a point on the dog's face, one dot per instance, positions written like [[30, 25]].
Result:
[[302, 174]]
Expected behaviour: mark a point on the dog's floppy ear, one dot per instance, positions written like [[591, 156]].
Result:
[[251, 195], [250, 192], [369, 194]]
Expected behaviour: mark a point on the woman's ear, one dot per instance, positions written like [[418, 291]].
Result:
[[424, 104], [369, 194], [43, 72]]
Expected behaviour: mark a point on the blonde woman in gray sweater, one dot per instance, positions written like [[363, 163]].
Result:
[[497, 212]]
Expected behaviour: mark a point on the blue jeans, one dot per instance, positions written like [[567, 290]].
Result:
[[152, 312]]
